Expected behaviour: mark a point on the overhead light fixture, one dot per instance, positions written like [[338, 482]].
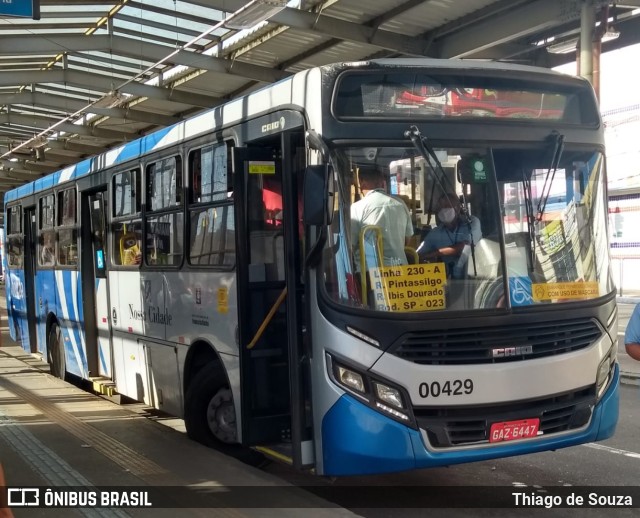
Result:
[[112, 99], [37, 142], [563, 47], [611, 34], [254, 13]]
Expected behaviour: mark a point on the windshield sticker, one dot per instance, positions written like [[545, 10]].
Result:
[[565, 290], [256, 167], [520, 291], [553, 237], [412, 287]]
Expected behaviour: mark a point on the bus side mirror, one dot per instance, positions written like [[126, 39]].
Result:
[[318, 195]]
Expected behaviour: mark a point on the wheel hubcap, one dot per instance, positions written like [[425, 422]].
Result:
[[221, 416]]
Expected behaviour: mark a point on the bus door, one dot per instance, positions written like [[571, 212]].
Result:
[[30, 238], [269, 294], [95, 291]]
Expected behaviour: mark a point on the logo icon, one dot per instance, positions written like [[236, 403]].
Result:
[[23, 496]]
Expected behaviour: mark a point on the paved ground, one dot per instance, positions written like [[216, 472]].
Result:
[[55, 434]]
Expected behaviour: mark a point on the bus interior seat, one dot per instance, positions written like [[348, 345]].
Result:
[[129, 248]]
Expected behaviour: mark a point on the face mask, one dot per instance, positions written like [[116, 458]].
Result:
[[447, 215]]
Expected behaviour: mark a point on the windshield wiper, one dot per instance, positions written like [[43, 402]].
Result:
[[426, 151], [558, 140], [531, 221]]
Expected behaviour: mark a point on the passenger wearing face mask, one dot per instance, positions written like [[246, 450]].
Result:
[[450, 242]]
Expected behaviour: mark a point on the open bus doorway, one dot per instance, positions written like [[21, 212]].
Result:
[[271, 292]]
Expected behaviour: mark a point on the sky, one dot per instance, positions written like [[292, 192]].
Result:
[[619, 80], [619, 77]]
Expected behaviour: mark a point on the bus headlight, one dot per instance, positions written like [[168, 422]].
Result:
[[388, 395], [350, 379], [604, 370], [372, 390]]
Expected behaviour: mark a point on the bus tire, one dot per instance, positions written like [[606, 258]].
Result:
[[55, 350], [210, 416]]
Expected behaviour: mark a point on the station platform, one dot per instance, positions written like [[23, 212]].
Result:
[[54, 434]]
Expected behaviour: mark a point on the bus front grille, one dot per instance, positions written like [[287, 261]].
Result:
[[451, 427], [496, 344]]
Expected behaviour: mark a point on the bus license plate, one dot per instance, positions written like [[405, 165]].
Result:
[[513, 430]]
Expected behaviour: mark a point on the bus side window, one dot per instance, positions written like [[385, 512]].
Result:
[[196, 177], [47, 245], [127, 240]]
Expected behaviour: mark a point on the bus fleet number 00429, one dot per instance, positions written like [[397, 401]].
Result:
[[447, 388]]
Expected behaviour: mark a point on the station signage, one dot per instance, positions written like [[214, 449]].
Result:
[[20, 8]]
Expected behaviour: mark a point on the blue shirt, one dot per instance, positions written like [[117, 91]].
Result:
[[443, 237], [632, 333]]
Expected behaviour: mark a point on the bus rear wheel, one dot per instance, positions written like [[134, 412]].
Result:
[[210, 415], [55, 350]]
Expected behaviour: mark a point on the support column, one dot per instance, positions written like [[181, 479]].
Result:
[[587, 26]]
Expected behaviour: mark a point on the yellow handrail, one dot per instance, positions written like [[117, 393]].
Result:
[[411, 252], [267, 319]]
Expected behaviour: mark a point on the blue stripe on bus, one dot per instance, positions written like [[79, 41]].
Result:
[[357, 440], [82, 169], [149, 142], [17, 308], [69, 315], [128, 151], [46, 182]]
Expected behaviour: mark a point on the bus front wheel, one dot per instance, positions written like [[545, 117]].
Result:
[[210, 416], [55, 349]]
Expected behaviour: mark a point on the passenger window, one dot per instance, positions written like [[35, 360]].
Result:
[[211, 218], [164, 184], [67, 232], [127, 240], [47, 235], [15, 242], [67, 207], [47, 248], [126, 193], [164, 240], [209, 174], [47, 210], [212, 237]]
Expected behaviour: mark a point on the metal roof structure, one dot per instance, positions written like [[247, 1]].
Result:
[[92, 74]]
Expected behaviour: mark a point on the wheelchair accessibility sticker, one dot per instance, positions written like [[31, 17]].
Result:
[[520, 291]]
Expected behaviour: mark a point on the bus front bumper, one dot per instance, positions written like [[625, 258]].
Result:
[[357, 440]]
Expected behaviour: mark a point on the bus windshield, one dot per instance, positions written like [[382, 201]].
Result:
[[476, 237]]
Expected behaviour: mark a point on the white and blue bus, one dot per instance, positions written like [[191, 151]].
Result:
[[210, 269]]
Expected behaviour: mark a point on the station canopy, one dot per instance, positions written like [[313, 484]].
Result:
[[89, 75]]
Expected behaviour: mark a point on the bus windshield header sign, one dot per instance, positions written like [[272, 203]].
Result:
[[432, 96]]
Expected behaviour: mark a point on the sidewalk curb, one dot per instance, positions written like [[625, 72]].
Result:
[[628, 300], [630, 378]]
